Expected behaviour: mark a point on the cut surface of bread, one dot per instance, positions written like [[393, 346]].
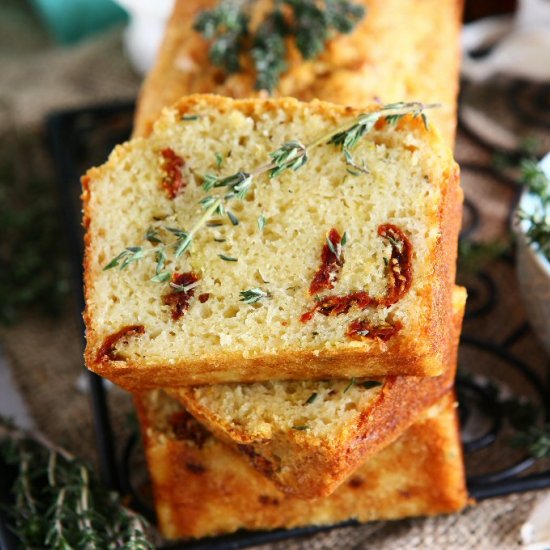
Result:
[[400, 218], [307, 437], [401, 50], [203, 487]]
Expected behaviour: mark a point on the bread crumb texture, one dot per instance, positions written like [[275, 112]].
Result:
[[259, 410], [408, 173]]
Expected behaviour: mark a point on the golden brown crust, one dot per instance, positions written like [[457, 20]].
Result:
[[283, 366], [308, 467], [402, 355], [393, 55], [209, 489]]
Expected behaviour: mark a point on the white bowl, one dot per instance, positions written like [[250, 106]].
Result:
[[533, 270]]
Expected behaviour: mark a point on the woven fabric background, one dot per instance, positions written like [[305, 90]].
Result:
[[46, 354]]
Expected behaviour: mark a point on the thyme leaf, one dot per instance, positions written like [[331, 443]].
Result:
[[184, 288], [162, 277], [332, 247], [253, 295], [234, 220], [311, 398], [290, 156], [152, 235], [261, 222], [228, 258]]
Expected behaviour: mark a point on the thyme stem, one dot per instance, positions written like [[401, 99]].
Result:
[[59, 503], [203, 219]]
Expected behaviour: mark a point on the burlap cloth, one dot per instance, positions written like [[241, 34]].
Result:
[[46, 355]]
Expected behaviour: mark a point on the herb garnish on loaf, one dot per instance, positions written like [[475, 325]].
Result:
[[309, 24], [193, 248], [307, 437]]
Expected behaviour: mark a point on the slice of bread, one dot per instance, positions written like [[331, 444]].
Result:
[[203, 487], [402, 50], [384, 307], [307, 437]]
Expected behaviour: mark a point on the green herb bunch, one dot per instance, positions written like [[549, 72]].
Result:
[[292, 155], [58, 503], [33, 266], [310, 24], [521, 414], [538, 226], [530, 435]]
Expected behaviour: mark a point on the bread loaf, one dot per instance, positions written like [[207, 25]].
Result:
[[402, 50], [383, 306], [203, 487]]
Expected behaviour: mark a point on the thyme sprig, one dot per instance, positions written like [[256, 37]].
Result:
[[292, 155], [354, 168], [309, 24], [58, 502]]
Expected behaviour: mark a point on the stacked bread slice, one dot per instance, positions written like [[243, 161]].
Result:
[[253, 264]]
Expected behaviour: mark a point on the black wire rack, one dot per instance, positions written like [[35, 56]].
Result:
[[83, 137]]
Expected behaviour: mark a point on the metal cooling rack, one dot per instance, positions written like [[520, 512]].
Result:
[[83, 137]]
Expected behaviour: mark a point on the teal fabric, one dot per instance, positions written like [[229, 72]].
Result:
[[71, 20]]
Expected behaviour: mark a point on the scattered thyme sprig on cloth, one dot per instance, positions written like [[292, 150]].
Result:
[[58, 503], [538, 221], [309, 24], [292, 155]]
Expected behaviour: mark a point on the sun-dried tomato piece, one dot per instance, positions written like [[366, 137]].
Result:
[[204, 297], [362, 329], [107, 349], [172, 165], [337, 305], [185, 427], [181, 294], [399, 280], [399, 265], [332, 261]]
